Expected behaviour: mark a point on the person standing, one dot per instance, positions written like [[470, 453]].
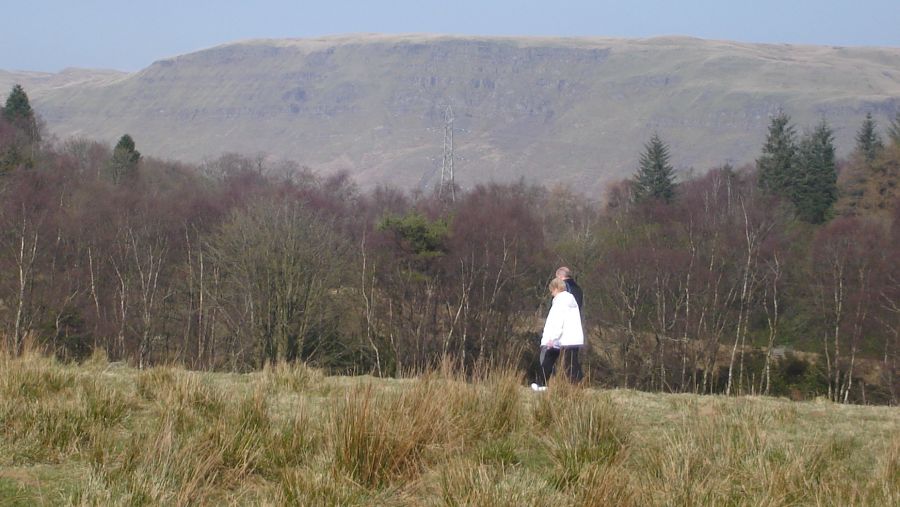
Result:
[[562, 330], [571, 362]]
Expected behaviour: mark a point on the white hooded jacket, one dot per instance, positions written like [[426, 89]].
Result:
[[563, 326]]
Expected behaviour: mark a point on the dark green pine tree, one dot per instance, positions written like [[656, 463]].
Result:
[[776, 164], [814, 189], [125, 158], [655, 178], [18, 113], [17, 108], [868, 142]]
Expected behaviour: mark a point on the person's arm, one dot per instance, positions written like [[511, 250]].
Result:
[[553, 327], [575, 290]]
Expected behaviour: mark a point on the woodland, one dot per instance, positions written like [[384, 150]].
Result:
[[777, 278]]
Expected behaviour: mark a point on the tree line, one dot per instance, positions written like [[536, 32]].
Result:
[[779, 278]]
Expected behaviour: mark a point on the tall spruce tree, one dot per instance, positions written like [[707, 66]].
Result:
[[125, 158], [775, 167], [17, 107], [20, 150], [655, 178], [814, 189], [868, 142]]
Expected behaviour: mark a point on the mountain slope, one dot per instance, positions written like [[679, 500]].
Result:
[[576, 111]]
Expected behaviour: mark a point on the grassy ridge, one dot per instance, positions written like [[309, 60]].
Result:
[[552, 110], [106, 434]]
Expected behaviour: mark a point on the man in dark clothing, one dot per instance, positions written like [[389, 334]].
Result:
[[565, 274], [570, 354]]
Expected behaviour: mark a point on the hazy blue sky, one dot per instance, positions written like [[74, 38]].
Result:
[[49, 35]]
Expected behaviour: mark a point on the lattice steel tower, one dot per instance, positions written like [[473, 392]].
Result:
[[447, 182]]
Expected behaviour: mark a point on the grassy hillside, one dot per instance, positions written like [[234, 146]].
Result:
[[106, 434], [41, 83], [574, 110]]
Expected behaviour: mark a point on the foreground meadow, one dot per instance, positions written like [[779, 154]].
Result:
[[106, 434]]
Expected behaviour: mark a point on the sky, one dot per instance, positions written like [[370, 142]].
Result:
[[50, 35]]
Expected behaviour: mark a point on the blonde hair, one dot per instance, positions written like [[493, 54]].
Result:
[[557, 285]]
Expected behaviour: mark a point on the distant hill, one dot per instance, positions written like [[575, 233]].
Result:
[[572, 110], [38, 84]]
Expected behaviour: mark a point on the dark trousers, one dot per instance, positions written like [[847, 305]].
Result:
[[572, 364], [548, 364]]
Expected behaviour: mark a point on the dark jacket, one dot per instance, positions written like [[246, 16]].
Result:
[[573, 289]]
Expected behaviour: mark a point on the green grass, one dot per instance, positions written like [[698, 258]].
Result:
[[106, 434]]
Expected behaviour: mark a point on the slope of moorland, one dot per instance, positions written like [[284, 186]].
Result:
[[41, 83], [574, 110], [105, 434]]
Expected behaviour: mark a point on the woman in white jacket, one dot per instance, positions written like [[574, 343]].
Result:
[[562, 329]]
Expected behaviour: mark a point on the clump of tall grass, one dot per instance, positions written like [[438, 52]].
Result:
[[293, 377], [32, 377], [316, 484], [241, 434], [293, 441], [733, 456], [464, 482], [838, 470], [601, 484], [172, 387], [886, 478], [201, 444], [485, 407], [47, 412], [579, 430], [378, 437], [702, 459], [189, 399], [158, 466]]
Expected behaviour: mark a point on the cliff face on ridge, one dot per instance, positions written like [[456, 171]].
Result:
[[574, 111]]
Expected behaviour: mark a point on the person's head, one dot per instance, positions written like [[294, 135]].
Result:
[[556, 286], [563, 273]]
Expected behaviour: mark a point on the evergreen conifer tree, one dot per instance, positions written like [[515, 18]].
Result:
[[814, 189], [776, 164], [18, 108], [125, 158], [19, 150], [655, 178], [868, 142]]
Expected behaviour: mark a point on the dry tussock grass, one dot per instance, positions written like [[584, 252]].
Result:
[[291, 435]]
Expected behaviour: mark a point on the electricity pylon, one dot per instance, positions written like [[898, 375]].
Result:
[[447, 181]]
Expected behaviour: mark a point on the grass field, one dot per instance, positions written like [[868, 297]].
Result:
[[107, 434]]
